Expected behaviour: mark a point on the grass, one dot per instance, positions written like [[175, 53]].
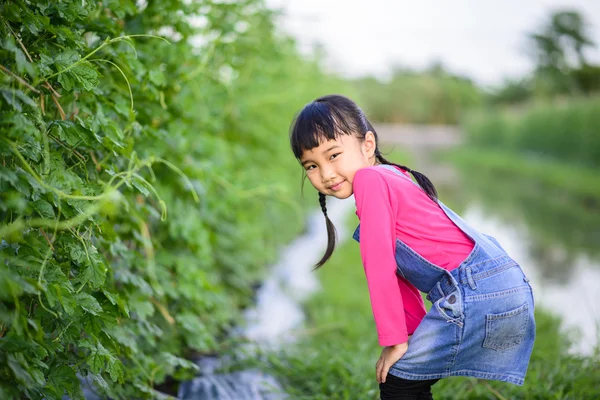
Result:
[[336, 358], [565, 129], [580, 182]]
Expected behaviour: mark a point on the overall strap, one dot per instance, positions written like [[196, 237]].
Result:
[[393, 168]]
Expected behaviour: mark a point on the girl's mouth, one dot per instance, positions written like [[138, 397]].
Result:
[[337, 186]]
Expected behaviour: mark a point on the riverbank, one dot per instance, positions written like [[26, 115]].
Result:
[[336, 356], [550, 174]]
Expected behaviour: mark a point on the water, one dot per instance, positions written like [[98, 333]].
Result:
[[250, 384], [277, 312], [570, 292], [277, 316]]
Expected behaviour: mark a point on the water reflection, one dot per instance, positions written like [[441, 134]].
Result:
[[553, 237], [562, 227]]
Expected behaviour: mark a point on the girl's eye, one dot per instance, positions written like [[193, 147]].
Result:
[[334, 156], [310, 167]]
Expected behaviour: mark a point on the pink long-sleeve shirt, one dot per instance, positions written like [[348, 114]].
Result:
[[391, 207]]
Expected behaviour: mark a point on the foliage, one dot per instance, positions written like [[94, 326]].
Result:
[[145, 182], [563, 38], [336, 359], [561, 68], [433, 96], [562, 130]]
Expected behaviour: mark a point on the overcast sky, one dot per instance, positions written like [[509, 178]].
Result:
[[482, 39]]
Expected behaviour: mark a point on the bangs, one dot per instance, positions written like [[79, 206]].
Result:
[[316, 123]]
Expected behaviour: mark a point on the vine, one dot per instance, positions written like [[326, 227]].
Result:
[[103, 131]]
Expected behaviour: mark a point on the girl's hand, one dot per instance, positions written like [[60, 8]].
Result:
[[389, 356]]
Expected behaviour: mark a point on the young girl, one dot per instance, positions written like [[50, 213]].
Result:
[[481, 322]]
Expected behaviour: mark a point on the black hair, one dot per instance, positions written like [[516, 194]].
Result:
[[326, 118]]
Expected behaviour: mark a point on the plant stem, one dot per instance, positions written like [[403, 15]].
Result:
[[18, 78]]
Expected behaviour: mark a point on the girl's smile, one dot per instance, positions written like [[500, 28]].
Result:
[[336, 186]]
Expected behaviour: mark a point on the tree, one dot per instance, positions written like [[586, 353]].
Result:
[[563, 38]]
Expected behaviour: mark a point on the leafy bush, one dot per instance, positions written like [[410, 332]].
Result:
[[565, 131], [145, 182]]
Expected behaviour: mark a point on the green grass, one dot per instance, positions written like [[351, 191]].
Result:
[[336, 357], [552, 174], [565, 129]]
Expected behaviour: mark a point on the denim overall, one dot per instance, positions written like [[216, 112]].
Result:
[[481, 321]]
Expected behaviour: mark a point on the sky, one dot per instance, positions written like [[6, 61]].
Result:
[[482, 39]]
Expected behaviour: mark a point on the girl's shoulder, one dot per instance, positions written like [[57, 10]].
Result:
[[379, 179], [381, 174]]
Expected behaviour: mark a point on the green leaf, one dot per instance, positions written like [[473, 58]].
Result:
[[36, 23], [124, 336], [88, 303], [117, 300], [157, 77], [23, 372], [69, 304], [66, 59], [17, 98], [63, 377], [142, 186], [141, 307], [8, 175], [12, 12], [43, 208], [100, 381], [66, 81], [96, 362], [82, 76], [12, 284], [115, 369], [23, 65], [111, 297], [85, 75], [174, 361], [95, 273], [15, 345], [77, 253], [114, 133], [70, 132]]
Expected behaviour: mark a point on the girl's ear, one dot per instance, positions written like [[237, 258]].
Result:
[[369, 144]]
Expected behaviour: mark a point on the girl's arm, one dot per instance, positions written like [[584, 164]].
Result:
[[376, 208]]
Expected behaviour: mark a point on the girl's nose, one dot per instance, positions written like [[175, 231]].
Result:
[[327, 174]]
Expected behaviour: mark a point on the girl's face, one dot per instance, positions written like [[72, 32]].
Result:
[[330, 167]]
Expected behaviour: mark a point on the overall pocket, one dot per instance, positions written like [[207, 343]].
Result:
[[506, 330]]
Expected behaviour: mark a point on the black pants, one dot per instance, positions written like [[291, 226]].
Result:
[[396, 388]]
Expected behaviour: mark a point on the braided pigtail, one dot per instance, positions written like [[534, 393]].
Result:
[[421, 179], [331, 234]]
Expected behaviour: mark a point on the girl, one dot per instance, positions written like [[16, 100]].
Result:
[[481, 322]]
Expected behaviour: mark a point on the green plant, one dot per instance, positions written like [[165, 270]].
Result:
[[145, 183], [565, 130]]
